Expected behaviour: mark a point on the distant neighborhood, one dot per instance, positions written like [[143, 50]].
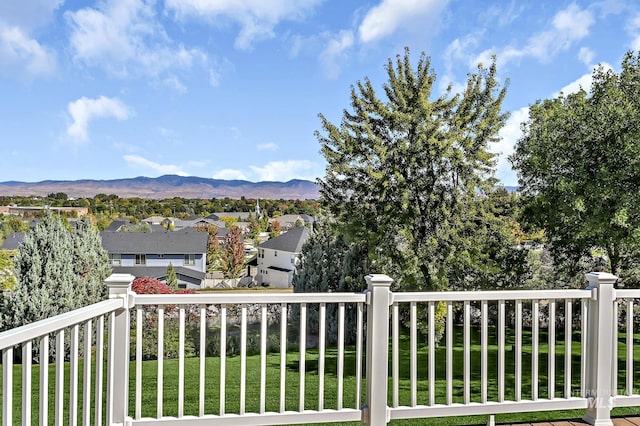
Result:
[[193, 246]]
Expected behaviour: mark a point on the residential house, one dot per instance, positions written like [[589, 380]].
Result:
[[278, 257], [148, 254], [290, 221]]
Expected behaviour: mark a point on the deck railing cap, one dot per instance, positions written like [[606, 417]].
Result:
[[601, 278]]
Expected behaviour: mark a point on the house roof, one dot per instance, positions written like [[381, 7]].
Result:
[[158, 272], [290, 241], [117, 224], [13, 240], [176, 242]]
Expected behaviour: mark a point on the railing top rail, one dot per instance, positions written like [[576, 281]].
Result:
[[631, 293], [247, 298], [461, 296], [40, 328]]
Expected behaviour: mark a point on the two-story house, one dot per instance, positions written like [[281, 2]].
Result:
[[148, 254], [278, 257]]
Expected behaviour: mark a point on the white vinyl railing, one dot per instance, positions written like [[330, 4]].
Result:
[[459, 354]]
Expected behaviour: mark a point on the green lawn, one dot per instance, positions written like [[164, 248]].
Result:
[[170, 388]]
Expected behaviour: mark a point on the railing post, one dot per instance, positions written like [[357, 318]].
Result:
[[600, 317], [379, 298], [119, 286]]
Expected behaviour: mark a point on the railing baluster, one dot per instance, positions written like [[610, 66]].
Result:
[[73, 377], [359, 335], [583, 349], [27, 353], [551, 334], [467, 352], [614, 351], [395, 360], [243, 359], [159, 397], [484, 344], [263, 356], [99, 369], [283, 356], [7, 387], [303, 349], [518, 362], [44, 381], [340, 354], [449, 350], [223, 357], [501, 344], [568, 339], [86, 385], [138, 408], [181, 333], [432, 353], [535, 336], [203, 354], [414, 354], [110, 366], [59, 378], [321, 349], [629, 347]]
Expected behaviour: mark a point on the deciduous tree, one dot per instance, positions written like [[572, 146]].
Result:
[[578, 164], [232, 257], [405, 172]]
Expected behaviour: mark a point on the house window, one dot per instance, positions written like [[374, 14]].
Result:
[[115, 259], [275, 253], [190, 259], [161, 256], [293, 259], [141, 259]]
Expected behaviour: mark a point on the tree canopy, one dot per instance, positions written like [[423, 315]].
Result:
[[405, 172], [578, 164]]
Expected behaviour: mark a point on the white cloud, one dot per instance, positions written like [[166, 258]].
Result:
[[256, 18], [633, 29], [282, 171], [582, 82], [586, 56], [22, 55], [509, 135], [390, 15], [268, 147], [124, 38], [174, 83], [138, 162], [568, 26], [84, 110], [230, 174], [28, 14], [334, 52]]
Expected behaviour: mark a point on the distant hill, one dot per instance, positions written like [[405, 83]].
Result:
[[166, 186]]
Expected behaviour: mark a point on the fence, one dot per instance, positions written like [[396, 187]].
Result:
[[427, 354]]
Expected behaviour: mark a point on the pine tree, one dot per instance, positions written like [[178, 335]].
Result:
[[91, 263]]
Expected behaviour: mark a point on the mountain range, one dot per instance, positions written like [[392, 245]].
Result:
[[167, 186]]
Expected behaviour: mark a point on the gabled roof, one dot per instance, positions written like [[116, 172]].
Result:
[[176, 242], [117, 224], [290, 241]]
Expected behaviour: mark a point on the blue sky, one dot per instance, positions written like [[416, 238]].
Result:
[[232, 89]]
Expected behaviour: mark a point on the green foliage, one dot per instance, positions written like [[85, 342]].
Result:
[[253, 228], [213, 248], [578, 164], [57, 271], [7, 275], [405, 173], [328, 263], [228, 221], [172, 277]]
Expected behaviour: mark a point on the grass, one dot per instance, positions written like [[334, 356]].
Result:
[[232, 397]]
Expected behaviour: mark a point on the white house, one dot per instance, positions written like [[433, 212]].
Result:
[[278, 257]]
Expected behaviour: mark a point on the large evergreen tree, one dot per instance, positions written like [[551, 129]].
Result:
[[57, 271], [405, 172]]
